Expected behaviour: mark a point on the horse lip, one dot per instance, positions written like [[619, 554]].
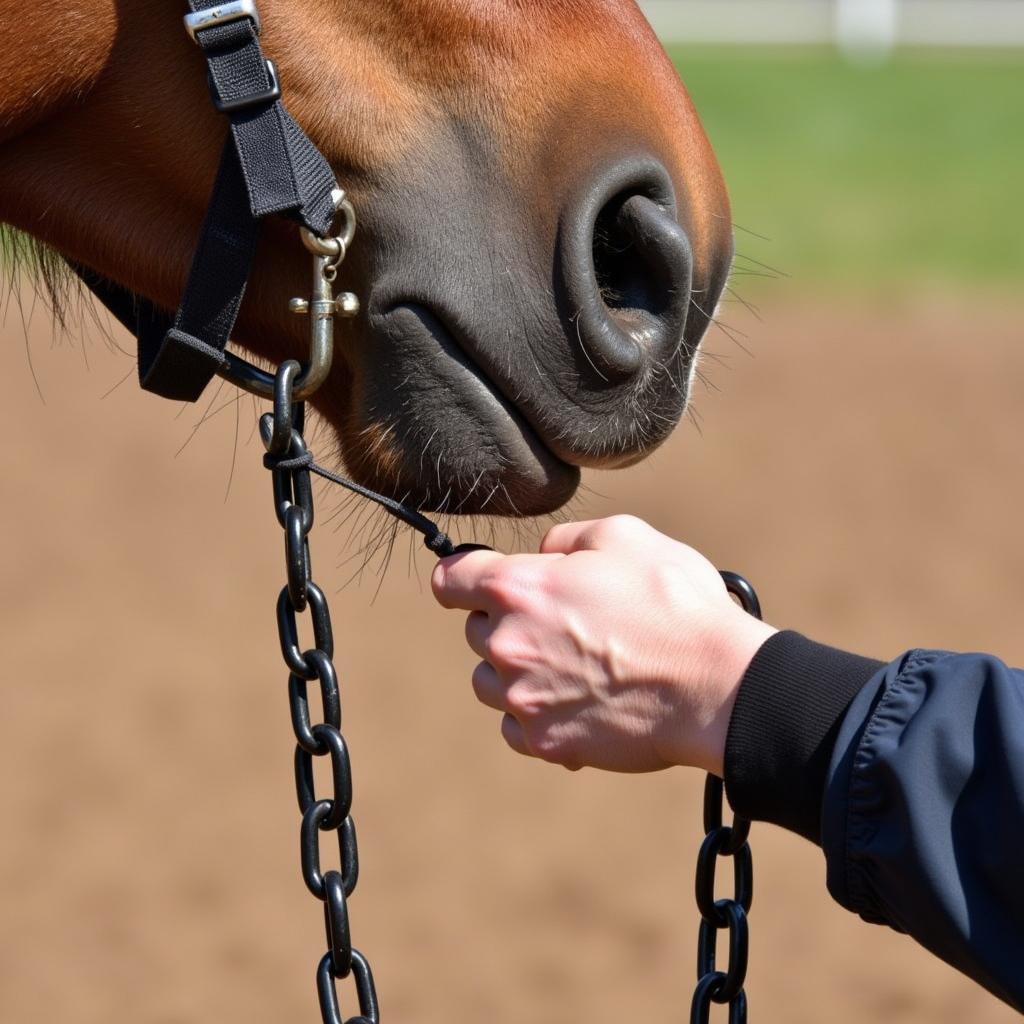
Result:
[[443, 329]]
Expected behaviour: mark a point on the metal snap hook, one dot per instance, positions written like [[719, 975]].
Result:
[[321, 307]]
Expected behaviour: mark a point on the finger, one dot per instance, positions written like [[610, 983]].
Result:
[[488, 687], [478, 629], [568, 537], [488, 581], [456, 579], [595, 534], [513, 734]]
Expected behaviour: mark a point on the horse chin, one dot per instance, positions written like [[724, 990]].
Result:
[[422, 423], [442, 474], [470, 458]]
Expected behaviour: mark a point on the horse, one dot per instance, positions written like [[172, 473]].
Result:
[[544, 228]]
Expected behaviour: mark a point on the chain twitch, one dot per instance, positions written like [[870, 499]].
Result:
[[330, 813]]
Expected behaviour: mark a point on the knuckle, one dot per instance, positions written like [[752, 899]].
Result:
[[548, 747], [622, 525], [551, 539], [521, 703], [512, 584], [502, 648], [497, 586]]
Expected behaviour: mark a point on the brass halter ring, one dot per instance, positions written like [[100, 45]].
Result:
[[321, 308]]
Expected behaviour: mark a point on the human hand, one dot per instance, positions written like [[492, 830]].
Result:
[[616, 647]]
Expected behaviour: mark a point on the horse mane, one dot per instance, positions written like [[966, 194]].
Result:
[[27, 261]]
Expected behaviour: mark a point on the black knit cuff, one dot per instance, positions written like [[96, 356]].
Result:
[[787, 715]]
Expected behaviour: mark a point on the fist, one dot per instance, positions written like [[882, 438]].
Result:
[[614, 647]]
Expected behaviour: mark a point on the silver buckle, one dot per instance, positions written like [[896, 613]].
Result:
[[273, 92], [222, 14]]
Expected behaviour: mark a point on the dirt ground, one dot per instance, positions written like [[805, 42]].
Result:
[[864, 469]]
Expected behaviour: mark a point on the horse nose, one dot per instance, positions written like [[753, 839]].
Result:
[[626, 267]]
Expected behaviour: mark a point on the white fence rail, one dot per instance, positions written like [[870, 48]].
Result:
[[852, 24]]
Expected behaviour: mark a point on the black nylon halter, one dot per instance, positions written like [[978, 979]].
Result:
[[268, 166]]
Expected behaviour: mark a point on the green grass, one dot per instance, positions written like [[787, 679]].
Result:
[[907, 174]]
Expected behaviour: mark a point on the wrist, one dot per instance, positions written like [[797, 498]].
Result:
[[743, 638], [709, 689]]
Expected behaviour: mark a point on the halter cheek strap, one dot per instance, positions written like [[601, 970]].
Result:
[[268, 166]]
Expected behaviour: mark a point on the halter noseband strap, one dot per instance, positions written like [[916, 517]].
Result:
[[268, 165]]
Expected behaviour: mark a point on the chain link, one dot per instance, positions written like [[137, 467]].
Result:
[[288, 460], [728, 914]]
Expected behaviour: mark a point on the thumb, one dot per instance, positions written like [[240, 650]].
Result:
[[594, 534], [456, 579], [565, 538]]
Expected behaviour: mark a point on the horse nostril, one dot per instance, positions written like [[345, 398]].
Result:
[[641, 256], [626, 268]]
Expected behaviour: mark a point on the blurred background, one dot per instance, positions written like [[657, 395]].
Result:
[[856, 452]]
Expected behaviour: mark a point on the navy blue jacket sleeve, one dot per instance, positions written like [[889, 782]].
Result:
[[913, 784], [923, 811]]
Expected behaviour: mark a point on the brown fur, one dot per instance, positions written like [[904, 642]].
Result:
[[109, 141]]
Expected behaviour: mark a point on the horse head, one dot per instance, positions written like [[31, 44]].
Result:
[[544, 232]]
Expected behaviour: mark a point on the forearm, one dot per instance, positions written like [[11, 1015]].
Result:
[[911, 777]]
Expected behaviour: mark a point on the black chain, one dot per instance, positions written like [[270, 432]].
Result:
[[729, 914], [289, 462]]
